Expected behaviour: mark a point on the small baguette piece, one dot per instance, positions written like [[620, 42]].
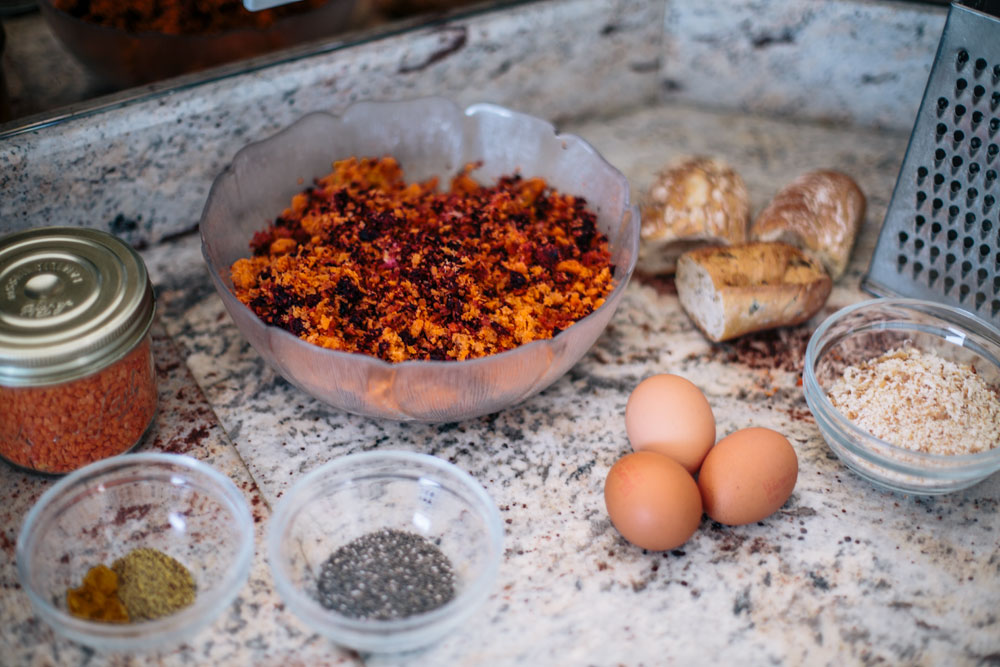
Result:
[[820, 212], [731, 291], [694, 201]]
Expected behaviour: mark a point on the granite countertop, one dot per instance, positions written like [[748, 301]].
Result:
[[843, 573]]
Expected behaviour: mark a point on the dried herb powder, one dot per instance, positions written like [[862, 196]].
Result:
[[97, 597], [365, 262], [153, 584], [385, 575]]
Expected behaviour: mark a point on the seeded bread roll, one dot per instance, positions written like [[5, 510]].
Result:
[[732, 291], [820, 212], [694, 201]]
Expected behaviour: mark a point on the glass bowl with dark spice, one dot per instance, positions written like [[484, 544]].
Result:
[[385, 551], [453, 262], [131, 42], [135, 552], [907, 393]]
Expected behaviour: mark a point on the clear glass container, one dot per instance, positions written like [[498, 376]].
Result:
[[866, 330], [95, 515], [357, 494], [77, 382], [428, 137]]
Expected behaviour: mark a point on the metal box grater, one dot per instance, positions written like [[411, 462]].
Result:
[[940, 240]]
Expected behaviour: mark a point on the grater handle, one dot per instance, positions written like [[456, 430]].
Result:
[[991, 7]]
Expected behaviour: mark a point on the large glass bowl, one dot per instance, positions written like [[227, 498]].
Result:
[[429, 137], [352, 496], [866, 330], [99, 513]]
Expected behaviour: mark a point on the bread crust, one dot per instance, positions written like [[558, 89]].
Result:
[[731, 291], [820, 212], [693, 201]]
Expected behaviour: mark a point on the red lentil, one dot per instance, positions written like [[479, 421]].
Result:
[[59, 428]]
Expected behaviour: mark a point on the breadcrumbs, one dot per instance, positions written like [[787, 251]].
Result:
[[919, 401], [364, 262]]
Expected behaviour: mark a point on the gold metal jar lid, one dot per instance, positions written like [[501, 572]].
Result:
[[72, 301]]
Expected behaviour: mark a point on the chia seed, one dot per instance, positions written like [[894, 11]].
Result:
[[386, 574]]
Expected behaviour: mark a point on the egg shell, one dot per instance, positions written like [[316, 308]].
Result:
[[652, 501], [668, 414], [748, 476]]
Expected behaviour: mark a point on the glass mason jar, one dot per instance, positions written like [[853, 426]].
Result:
[[77, 382]]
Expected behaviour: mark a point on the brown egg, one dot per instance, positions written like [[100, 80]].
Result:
[[669, 414], [747, 476], [652, 501]]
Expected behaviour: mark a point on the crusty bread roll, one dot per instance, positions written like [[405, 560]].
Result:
[[732, 291], [820, 212], [693, 202]]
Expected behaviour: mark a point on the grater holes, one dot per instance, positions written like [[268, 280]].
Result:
[[921, 174], [957, 138], [942, 104], [978, 92], [970, 220], [995, 99], [935, 253], [949, 260], [991, 152], [963, 292], [955, 187], [988, 202], [935, 230], [900, 262], [959, 111], [967, 243], [986, 227], [938, 180], [921, 197], [991, 175], [974, 144], [995, 307], [977, 118], [996, 73], [953, 212], [940, 131], [932, 276], [918, 268], [966, 267], [921, 221], [952, 237], [981, 276], [970, 195], [984, 250], [962, 58], [973, 170], [903, 238], [949, 282], [980, 300], [980, 65], [937, 204], [918, 244], [960, 86], [939, 156], [956, 162], [994, 126], [996, 284]]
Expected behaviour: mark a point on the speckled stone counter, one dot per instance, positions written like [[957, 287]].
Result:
[[842, 574]]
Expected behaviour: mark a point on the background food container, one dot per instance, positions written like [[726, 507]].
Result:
[[76, 369]]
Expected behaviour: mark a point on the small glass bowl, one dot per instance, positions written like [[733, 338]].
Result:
[[101, 512], [362, 493], [429, 137], [866, 330]]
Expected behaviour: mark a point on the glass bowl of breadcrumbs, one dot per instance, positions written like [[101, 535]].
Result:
[[416, 261], [907, 393]]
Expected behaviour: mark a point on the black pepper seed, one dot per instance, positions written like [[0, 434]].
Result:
[[384, 575]]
